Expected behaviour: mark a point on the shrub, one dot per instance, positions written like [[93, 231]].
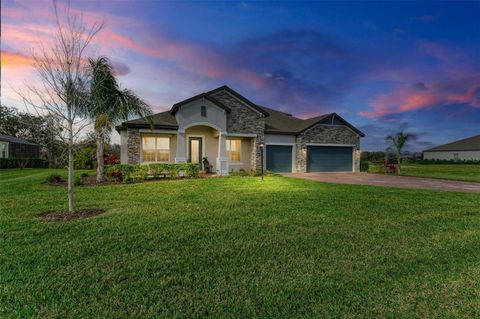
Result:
[[85, 158], [134, 173], [111, 159], [84, 174], [364, 166], [436, 161], [54, 178], [77, 181]]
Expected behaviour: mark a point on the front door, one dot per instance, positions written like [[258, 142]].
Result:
[[195, 150]]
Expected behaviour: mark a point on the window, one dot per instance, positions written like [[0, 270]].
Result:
[[3, 150], [155, 149], [234, 150], [203, 111]]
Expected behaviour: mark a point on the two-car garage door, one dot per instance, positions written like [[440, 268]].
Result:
[[319, 158], [329, 158]]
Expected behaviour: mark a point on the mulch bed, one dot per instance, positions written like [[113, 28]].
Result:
[[65, 216]]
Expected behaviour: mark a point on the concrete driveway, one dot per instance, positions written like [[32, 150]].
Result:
[[389, 181]]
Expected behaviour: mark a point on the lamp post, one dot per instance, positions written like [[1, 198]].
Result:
[[261, 157]]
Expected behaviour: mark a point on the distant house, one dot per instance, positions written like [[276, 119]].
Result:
[[461, 150], [14, 147]]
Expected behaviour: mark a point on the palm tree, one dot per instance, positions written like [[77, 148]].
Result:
[[398, 142], [109, 105]]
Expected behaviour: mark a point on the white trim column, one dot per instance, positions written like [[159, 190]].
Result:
[[222, 160], [180, 157]]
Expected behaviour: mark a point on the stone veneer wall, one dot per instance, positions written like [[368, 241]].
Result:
[[133, 145], [325, 134], [243, 119]]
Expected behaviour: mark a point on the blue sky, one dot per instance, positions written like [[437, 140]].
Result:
[[381, 65]]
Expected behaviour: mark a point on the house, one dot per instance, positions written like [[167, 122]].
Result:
[[14, 147], [461, 150], [233, 133]]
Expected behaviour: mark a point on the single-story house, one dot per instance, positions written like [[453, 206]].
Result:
[[233, 133], [14, 147], [461, 150]]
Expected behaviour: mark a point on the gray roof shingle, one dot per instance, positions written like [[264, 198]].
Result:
[[466, 144], [13, 139], [275, 121]]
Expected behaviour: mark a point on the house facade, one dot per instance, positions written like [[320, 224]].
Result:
[[231, 133], [14, 147], [467, 149]]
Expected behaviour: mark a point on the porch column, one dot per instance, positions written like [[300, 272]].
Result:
[[180, 157], [222, 160]]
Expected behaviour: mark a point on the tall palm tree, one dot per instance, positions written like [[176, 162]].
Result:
[[109, 105], [398, 142]]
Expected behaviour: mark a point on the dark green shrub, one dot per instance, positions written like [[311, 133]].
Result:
[[364, 166], [435, 161], [77, 181], [85, 158], [134, 173], [54, 178], [84, 174]]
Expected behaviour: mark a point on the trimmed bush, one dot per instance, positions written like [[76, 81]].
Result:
[[127, 173], [435, 161], [54, 178], [364, 166]]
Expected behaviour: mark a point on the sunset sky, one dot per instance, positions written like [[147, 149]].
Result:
[[380, 65]]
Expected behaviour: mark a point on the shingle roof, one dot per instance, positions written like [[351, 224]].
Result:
[[275, 121], [467, 144], [13, 139]]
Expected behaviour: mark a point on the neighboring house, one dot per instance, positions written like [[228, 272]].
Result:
[[232, 132], [14, 147], [466, 149]]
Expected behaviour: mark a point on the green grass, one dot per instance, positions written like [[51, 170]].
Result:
[[238, 247], [459, 172]]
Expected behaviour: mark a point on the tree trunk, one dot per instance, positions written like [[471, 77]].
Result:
[[71, 203], [398, 163], [100, 161]]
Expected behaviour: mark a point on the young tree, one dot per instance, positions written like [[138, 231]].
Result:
[[108, 106], [62, 69], [398, 142]]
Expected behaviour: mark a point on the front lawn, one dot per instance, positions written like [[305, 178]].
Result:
[[238, 247], [459, 172]]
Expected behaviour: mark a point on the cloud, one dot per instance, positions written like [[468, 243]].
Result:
[[427, 18], [420, 86], [119, 68], [15, 59]]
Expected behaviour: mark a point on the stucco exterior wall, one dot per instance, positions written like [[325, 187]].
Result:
[[244, 119], [210, 142], [123, 147], [190, 114], [450, 155], [326, 134]]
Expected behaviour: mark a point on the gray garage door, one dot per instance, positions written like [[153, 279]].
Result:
[[279, 158], [329, 159]]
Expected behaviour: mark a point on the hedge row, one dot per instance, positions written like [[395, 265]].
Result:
[[23, 162], [128, 173], [436, 161]]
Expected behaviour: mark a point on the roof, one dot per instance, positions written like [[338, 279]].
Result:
[[13, 139], [206, 96], [467, 144], [276, 122]]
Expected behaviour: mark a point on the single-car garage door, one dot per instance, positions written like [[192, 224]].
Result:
[[329, 159], [279, 158]]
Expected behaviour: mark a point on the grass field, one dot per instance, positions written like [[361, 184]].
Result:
[[459, 172], [238, 247]]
